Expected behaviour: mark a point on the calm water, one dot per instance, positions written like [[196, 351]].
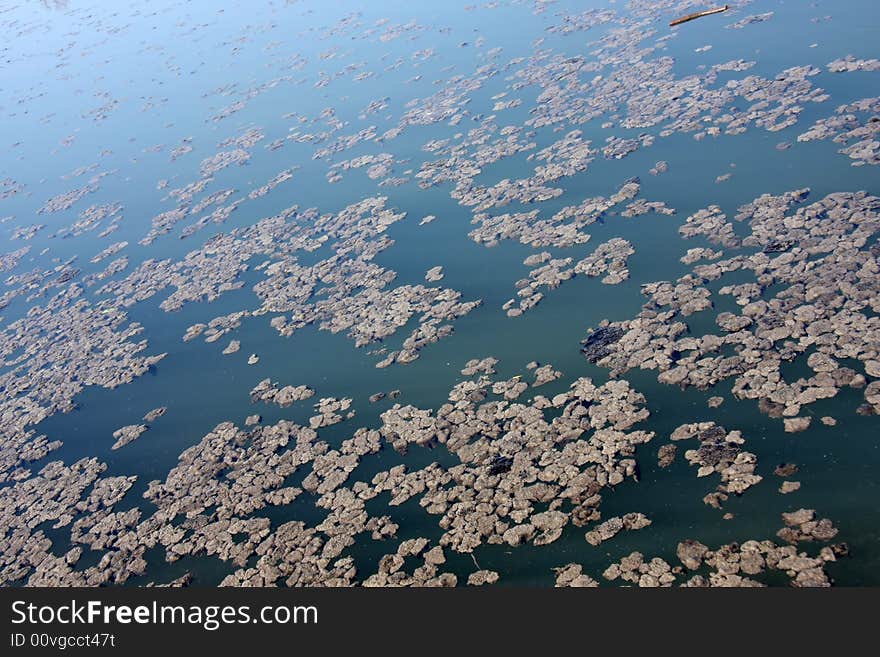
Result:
[[58, 61]]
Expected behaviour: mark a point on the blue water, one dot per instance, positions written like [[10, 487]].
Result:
[[60, 61]]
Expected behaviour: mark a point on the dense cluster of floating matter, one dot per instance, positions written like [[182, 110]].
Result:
[[509, 471], [512, 459], [821, 258], [851, 124], [719, 452], [490, 496], [267, 391], [728, 566], [609, 258]]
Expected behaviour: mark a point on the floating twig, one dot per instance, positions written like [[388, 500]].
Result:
[[699, 14]]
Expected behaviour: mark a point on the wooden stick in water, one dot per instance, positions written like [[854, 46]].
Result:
[[699, 14]]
